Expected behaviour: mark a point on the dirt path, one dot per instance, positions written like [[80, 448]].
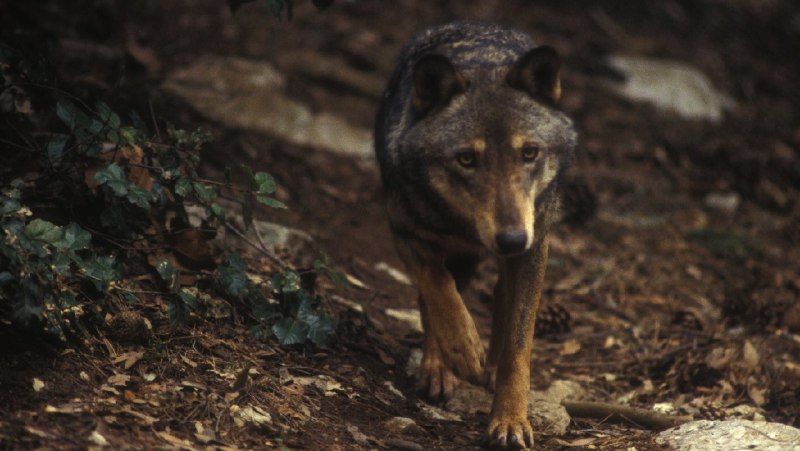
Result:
[[673, 297]]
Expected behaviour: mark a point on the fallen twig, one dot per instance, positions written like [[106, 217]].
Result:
[[616, 412]]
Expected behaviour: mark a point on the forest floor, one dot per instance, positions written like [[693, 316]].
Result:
[[656, 293]]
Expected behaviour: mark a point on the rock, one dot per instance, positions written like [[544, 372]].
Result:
[[470, 399], [548, 417], [414, 361], [398, 425], [435, 413], [558, 391], [670, 85], [250, 94], [359, 437], [730, 434], [725, 202]]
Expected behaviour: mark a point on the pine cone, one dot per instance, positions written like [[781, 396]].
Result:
[[552, 320]]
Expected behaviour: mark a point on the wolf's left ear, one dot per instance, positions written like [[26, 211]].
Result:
[[536, 73], [436, 82]]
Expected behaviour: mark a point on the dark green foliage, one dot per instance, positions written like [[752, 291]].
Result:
[[64, 278]]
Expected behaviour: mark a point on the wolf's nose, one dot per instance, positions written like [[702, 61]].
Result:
[[511, 242]]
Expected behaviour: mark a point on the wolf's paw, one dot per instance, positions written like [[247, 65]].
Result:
[[436, 381], [462, 351], [510, 433]]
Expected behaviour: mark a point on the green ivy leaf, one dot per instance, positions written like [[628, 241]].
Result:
[[261, 307], [270, 201], [322, 331], [180, 307], [289, 331], [217, 211], [264, 183], [168, 273], [71, 115], [107, 116], [205, 194], [73, 238], [139, 196], [44, 231], [287, 282], [101, 271], [232, 275], [55, 147], [114, 177], [183, 186], [128, 135]]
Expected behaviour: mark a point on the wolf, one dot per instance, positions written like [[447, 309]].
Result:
[[471, 148]]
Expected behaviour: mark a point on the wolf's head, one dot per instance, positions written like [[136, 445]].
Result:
[[492, 142]]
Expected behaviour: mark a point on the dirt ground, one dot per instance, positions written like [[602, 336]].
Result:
[[654, 295]]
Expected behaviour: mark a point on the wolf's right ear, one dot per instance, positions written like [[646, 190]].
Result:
[[436, 82], [536, 73]]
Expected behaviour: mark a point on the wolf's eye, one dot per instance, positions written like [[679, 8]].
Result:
[[466, 158], [529, 153]]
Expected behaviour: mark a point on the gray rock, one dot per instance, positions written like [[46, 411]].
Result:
[[250, 94], [548, 417], [725, 202], [670, 85], [470, 399], [705, 435]]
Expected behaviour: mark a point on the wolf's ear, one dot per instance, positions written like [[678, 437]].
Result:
[[536, 73], [436, 82]]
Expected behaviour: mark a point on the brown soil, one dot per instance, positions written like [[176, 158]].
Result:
[[671, 301]]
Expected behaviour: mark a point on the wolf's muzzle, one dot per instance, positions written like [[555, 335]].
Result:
[[512, 242]]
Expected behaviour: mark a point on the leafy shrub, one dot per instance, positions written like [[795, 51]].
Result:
[[127, 195]]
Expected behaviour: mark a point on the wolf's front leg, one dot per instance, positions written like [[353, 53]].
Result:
[[523, 276], [451, 339]]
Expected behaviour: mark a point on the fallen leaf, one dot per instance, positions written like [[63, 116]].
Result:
[[144, 418], [570, 347], [750, 355], [394, 273], [255, 415], [188, 361], [38, 385], [119, 380], [97, 438], [173, 440], [409, 316], [385, 358], [757, 395], [130, 358], [356, 282]]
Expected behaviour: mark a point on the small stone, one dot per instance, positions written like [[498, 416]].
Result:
[[414, 361], [724, 202], [398, 425], [470, 399]]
